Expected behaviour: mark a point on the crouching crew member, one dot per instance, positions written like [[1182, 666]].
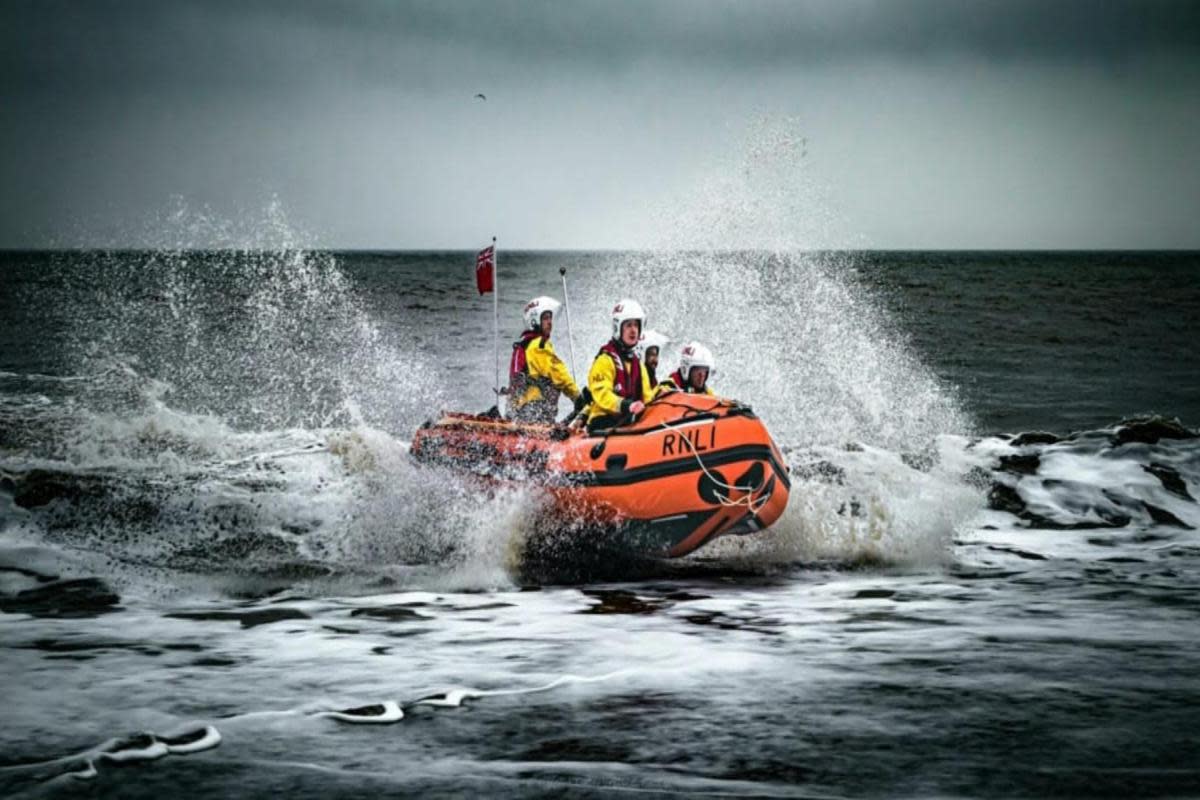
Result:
[[619, 385], [536, 375], [649, 350], [695, 364]]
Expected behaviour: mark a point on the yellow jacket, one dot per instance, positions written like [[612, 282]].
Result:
[[602, 379], [544, 367]]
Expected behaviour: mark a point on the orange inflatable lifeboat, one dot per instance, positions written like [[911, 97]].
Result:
[[689, 469]]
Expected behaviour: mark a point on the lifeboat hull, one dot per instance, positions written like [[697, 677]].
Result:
[[690, 469]]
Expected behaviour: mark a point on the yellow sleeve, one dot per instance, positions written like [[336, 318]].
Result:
[[600, 382], [545, 363], [648, 394]]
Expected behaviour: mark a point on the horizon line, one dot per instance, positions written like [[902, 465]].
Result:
[[414, 250]]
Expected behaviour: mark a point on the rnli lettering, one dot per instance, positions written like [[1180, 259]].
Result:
[[697, 442]]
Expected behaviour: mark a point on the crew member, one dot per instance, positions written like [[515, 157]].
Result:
[[619, 385], [648, 350], [536, 375], [695, 363]]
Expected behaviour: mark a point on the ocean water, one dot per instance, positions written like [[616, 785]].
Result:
[[222, 575]]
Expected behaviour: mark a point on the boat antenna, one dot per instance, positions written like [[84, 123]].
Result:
[[499, 390], [567, 313]]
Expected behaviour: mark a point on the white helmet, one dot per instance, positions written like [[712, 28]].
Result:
[[535, 308], [625, 310], [651, 339], [695, 354]]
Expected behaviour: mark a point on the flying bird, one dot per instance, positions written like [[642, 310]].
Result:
[[481, 97]]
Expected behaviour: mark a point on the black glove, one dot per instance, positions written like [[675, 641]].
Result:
[[583, 399]]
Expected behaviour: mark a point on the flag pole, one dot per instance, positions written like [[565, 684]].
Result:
[[496, 316], [567, 313]]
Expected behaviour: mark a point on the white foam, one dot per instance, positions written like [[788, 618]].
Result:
[[389, 712], [454, 698]]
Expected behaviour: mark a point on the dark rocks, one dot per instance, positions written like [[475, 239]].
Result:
[[249, 619], [1020, 464], [621, 602], [1034, 437], [119, 501], [79, 598], [1005, 498], [397, 613], [38, 488], [1025, 554], [1164, 517], [1150, 430], [1108, 520], [1170, 479]]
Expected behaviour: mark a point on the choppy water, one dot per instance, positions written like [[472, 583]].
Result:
[[210, 532]]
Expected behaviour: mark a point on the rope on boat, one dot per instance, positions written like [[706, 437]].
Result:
[[752, 505]]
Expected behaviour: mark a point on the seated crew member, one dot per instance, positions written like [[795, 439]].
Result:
[[619, 386], [649, 350], [536, 375], [695, 363]]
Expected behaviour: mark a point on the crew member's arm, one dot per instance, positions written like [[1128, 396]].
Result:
[[600, 383], [545, 363]]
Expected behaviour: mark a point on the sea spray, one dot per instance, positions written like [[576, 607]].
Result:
[[802, 340], [199, 367], [234, 413], [266, 335]]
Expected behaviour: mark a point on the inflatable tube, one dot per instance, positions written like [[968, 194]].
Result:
[[689, 469]]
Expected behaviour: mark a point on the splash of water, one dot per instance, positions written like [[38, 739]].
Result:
[[228, 420], [199, 361], [265, 334], [799, 337]]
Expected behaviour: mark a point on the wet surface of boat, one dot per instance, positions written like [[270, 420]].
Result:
[[689, 469]]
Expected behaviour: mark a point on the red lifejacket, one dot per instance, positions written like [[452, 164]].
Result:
[[518, 371], [628, 381], [682, 385]]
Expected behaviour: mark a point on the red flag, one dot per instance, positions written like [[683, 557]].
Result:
[[485, 269]]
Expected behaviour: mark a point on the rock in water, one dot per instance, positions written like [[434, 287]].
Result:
[[1034, 437], [1150, 430], [81, 597]]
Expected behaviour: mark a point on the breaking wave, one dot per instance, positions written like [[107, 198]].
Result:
[[241, 414]]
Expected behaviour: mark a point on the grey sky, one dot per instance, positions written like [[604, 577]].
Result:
[[928, 124]]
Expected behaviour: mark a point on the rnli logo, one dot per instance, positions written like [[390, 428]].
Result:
[[618, 308], [689, 350], [532, 304], [689, 441]]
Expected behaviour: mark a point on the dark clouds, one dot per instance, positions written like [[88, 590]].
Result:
[[54, 45], [356, 114]]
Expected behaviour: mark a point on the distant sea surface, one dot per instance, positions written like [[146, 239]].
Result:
[[222, 575]]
